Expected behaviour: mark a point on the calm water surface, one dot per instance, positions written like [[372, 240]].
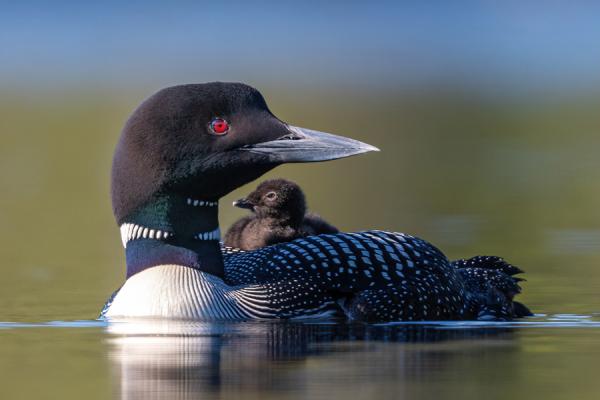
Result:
[[553, 357]]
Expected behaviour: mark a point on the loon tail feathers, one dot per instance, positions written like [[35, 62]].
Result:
[[492, 284], [488, 262]]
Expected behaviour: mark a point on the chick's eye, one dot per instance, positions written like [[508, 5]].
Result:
[[219, 126], [271, 195]]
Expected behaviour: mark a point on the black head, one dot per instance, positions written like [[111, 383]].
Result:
[[204, 140], [276, 198]]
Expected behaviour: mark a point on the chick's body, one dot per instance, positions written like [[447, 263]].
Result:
[[279, 215]]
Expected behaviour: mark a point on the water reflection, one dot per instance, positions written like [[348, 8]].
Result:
[[159, 359]]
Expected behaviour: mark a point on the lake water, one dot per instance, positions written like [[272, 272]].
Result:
[[551, 357], [473, 176]]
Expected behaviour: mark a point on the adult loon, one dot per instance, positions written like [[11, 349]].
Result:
[[187, 146], [279, 215]]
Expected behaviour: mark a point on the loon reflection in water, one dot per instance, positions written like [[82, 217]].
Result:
[[247, 359], [187, 146]]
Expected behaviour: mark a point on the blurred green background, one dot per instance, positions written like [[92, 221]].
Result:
[[487, 117]]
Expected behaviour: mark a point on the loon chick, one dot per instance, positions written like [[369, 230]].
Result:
[[279, 215], [187, 146]]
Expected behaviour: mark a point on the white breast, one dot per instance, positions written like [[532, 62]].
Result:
[[174, 291]]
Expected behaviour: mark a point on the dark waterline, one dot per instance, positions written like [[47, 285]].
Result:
[[537, 321]]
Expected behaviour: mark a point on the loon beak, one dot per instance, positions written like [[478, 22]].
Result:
[[243, 203], [306, 145]]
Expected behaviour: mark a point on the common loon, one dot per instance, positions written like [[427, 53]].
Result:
[[279, 215], [187, 146]]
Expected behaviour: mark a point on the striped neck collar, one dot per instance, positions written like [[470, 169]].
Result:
[[131, 231], [173, 230]]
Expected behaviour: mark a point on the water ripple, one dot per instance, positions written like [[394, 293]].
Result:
[[169, 327]]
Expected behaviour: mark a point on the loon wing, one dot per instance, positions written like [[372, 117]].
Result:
[[373, 275], [379, 276]]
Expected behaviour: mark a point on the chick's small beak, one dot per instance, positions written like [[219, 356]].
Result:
[[243, 203]]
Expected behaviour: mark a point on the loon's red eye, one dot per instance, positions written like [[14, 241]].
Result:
[[219, 126]]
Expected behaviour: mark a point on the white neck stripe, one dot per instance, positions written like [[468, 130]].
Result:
[[131, 232], [201, 203], [212, 235]]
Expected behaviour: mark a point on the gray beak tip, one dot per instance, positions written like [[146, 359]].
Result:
[[369, 147]]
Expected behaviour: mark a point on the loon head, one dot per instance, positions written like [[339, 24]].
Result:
[[189, 145], [205, 140], [280, 199]]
